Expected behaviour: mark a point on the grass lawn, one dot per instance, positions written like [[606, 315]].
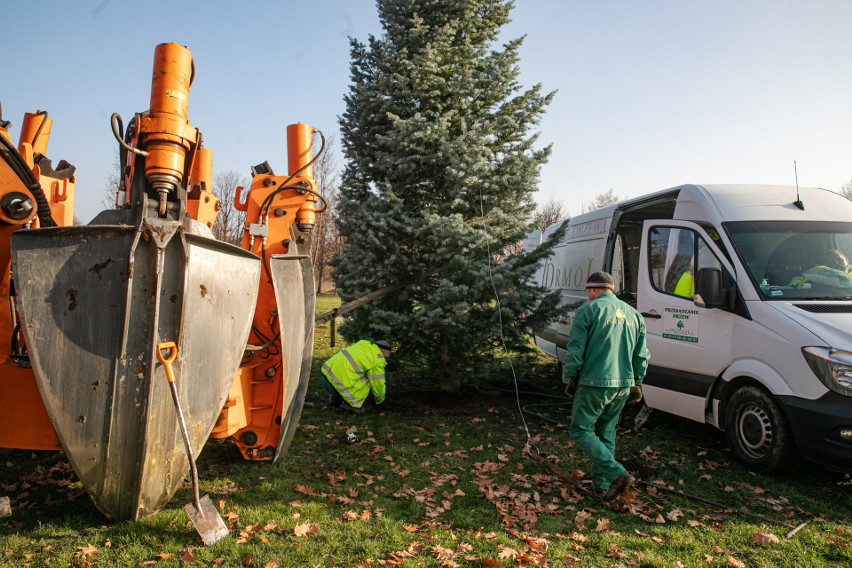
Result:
[[438, 479]]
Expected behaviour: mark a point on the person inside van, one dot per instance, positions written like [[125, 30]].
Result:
[[685, 287], [680, 280], [832, 270]]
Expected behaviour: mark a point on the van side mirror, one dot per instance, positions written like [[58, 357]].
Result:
[[708, 288]]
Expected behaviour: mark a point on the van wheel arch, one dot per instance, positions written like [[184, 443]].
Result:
[[757, 429]]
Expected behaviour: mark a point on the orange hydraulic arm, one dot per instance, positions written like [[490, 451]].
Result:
[[280, 212], [32, 193]]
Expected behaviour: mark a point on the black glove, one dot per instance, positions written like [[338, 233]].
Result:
[[635, 395], [571, 389]]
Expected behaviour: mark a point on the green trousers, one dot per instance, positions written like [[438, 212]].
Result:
[[593, 421]]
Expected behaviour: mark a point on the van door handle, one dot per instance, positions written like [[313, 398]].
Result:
[[650, 315]]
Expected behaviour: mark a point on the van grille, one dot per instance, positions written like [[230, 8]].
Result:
[[826, 308]]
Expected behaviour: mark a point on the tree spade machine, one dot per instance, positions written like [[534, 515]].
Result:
[[89, 305]]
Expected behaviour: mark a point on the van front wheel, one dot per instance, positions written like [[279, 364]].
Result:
[[758, 432]]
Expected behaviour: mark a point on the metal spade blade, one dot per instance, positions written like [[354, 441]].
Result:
[[94, 301], [292, 277]]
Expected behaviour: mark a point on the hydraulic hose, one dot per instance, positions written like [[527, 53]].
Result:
[[19, 166], [264, 207]]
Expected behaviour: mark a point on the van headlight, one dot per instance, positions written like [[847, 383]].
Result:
[[831, 366]]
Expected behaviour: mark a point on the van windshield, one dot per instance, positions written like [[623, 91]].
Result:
[[801, 260]]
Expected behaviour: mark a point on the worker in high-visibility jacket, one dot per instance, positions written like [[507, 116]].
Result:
[[356, 372]]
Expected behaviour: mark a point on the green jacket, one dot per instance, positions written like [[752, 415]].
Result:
[[607, 345], [357, 370]]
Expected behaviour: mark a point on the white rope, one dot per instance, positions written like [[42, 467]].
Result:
[[500, 319]]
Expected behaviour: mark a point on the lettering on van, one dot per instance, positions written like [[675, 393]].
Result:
[[572, 276], [681, 324], [595, 227]]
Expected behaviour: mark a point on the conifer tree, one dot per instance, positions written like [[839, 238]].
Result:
[[441, 168]]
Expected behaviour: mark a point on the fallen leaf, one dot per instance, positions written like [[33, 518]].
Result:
[[614, 553], [187, 556], [732, 562], [764, 539], [443, 554], [506, 552], [306, 490], [86, 551], [603, 525], [581, 517], [305, 529]]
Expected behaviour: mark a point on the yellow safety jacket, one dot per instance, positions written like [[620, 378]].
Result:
[[356, 371], [685, 287]]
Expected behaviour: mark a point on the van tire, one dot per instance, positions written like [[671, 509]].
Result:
[[758, 432]]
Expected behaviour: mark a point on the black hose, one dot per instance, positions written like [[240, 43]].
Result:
[[115, 122], [40, 126], [19, 166], [267, 202]]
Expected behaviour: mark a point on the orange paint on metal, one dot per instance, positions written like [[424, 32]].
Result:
[[166, 134], [24, 423], [201, 204], [233, 415], [300, 149], [30, 127], [299, 155]]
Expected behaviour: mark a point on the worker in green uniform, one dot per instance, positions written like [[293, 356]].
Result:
[[355, 373], [604, 365]]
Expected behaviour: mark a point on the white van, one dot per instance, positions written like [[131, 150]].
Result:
[[748, 329]]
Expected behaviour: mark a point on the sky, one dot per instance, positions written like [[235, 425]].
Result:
[[650, 93]]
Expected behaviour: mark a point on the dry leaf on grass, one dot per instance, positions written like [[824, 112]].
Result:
[[764, 539], [86, 551], [305, 529], [506, 552]]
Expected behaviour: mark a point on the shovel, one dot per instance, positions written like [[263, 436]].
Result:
[[202, 513]]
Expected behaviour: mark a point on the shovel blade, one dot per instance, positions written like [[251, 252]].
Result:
[[207, 521]]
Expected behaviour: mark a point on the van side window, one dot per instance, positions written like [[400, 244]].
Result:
[[675, 253]]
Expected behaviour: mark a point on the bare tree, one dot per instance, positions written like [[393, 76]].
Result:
[[603, 200], [327, 240], [229, 223], [548, 213], [112, 184], [846, 190]]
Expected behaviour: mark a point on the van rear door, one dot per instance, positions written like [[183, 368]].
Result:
[[690, 345]]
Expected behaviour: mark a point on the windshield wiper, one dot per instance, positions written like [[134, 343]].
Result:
[[829, 298]]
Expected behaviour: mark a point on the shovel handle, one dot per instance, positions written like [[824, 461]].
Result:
[[167, 360]]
